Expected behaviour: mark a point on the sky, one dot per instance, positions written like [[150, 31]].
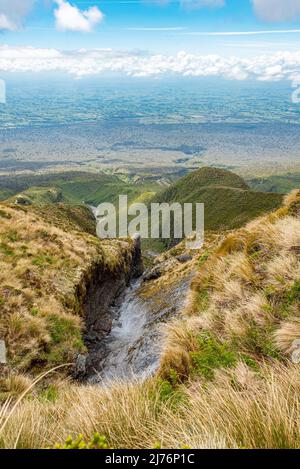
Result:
[[235, 39]]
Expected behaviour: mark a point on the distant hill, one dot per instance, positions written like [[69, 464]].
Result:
[[38, 196], [281, 184], [74, 188], [229, 203]]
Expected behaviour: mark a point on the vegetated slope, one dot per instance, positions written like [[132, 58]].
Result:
[[38, 196], [228, 201], [245, 298], [46, 261], [73, 188], [226, 378], [281, 184]]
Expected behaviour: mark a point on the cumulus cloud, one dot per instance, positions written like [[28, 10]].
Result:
[[279, 66], [277, 10], [71, 18], [13, 12]]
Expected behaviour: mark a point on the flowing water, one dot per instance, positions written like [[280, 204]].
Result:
[[133, 347], [126, 349], [125, 342]]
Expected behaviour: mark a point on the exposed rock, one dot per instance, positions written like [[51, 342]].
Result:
[[152, 274], [137, 260], [80, 365], [22, 200], [184, 258], [99, 293], [2, 352]]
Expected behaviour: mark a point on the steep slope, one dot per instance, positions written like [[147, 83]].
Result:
[[228, 201], [227, 378], [50, 270], [245, 298]]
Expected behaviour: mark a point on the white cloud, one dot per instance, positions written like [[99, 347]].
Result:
[[278, 66], [6, 23], [277, 10], [13, 12], [71, 18]]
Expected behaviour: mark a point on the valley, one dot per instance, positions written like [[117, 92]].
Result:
[[138, 326]]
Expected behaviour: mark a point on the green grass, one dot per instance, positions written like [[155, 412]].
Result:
[[281, 184], [67, 216], [228, 202], [41, 195], [211, 355], [76, 188], [6, 193]]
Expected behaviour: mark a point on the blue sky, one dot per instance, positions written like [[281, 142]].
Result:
[[242, 28], [125, 22]]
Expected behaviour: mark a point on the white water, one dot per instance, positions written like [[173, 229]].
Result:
[[133, 347], [127, 346], [126, 332]]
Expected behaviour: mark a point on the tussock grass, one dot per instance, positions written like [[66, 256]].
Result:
[[247, 293], [43, 263], [226, 378], [238, 409]]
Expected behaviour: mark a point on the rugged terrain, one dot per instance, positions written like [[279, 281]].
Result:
[[227, 375], [55, 279]]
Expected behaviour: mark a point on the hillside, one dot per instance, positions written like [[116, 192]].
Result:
[[228, 201], [47, 264], [281, 184], [74, 188], [226, 378]]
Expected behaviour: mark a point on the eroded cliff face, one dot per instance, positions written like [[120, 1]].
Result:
[[56, 283], [132, 348], [101, 289]]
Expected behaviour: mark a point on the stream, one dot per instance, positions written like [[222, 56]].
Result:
[[124, 345], [133, 347]]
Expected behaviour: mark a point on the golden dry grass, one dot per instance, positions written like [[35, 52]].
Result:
[[226, 378], [239, 409], [41, 267], [247, 293]]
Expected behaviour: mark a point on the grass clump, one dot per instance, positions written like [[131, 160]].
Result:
[[42, 260], [63, 328], [211, 355]]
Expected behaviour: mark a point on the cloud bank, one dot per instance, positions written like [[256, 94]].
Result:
[[70, 18], [280, 66]]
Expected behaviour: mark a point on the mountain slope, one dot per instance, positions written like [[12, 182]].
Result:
[[48, 263], [226, 379], [73, 188], [281, 183], [245, 298], [228, 201]]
